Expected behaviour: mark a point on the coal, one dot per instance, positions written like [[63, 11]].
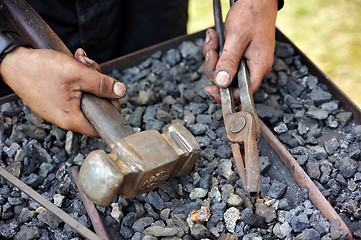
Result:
[[168, 87]]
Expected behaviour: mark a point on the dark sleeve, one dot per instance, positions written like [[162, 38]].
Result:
[[280, 4]]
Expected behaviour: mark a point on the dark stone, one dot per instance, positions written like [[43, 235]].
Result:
[[313, 169], [155, 200], [130, 219], [7, 211], [9, 230], [49, 218], [309, 234], [28, 232], [198, 129], [252, 219], [26, 215], [320, 96], [264, 164], [356, 130], [300, 222], [344, 118], [142, 223], [283, 50], [317, 113], [224, 151], [126, 232], [348, 167], [199, 231], [277, 189], [284, 204]]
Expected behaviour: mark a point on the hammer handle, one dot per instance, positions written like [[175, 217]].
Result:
[[108, 122]]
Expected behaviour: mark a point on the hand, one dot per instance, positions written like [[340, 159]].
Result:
[[51, 84], [249, 32]]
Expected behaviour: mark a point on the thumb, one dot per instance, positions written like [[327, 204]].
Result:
[[101, 85]]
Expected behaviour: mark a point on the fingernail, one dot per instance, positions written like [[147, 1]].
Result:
[[119, 89], [207, 56], [84, 53], [208, 38], [222, 78]]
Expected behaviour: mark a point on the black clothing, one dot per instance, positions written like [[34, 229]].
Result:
[[110, 28]]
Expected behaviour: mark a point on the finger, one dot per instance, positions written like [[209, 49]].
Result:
[[227, 66], [210, 52], [100, 84], [82, 57], [259, 57], [211, 41], [213, 92], [211, 59]]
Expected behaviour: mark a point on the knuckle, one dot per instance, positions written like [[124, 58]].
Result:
[[105, 85]]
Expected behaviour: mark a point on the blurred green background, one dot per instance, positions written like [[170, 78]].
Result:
[[327, 31]]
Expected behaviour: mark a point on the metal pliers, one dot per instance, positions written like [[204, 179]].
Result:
[[243, 128]]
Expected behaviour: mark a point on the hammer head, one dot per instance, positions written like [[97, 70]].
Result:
[[138, 163]]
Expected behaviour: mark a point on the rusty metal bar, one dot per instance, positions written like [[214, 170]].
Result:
[[90, 208], [303, 179], [77, 226]]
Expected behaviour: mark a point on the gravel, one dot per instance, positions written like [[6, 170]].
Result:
[[321, 135]]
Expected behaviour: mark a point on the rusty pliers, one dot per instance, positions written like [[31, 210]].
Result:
[[243, 127]]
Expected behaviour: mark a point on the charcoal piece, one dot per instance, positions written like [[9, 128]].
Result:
[[204, 118], [331, 122], [33, 180], [320, 96], [293, 88], [284, 204], [279, 65], [343, 118], [313, 169], [189, 49], [312, 81], [142, 223], [309, 234], [292, 102], [288, 139], [302, 160], [282, 79], [317, 152], [330, 106], [347, 166], [268, 212], [48, 217], [283, 50], [331, 145], [198, 108], [9, 230], [135, 119], [252, 219], [15, 169], [203, 141], [264, 111], [154, 199], [198, 129], [316, 113], [300, 222], [280, 128], [356, 130], [7, 211], [224, 151], [172, 56], [264, 164], [150, 211], [326, 169], [299, 73], [277, 189], [26, 215]]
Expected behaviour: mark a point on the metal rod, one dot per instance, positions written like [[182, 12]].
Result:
[[77, 226], [303, 179], [90, 208]]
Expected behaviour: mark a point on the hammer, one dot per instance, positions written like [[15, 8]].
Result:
[[138, 162]]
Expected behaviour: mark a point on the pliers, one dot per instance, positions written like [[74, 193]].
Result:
[[243, 128]]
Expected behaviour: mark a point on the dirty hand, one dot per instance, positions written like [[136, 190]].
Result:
[[249, 32], [51, 84]]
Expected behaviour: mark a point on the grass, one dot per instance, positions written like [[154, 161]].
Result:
[[328, 32]]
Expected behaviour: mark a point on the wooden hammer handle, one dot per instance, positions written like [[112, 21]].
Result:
[[108, 122]]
